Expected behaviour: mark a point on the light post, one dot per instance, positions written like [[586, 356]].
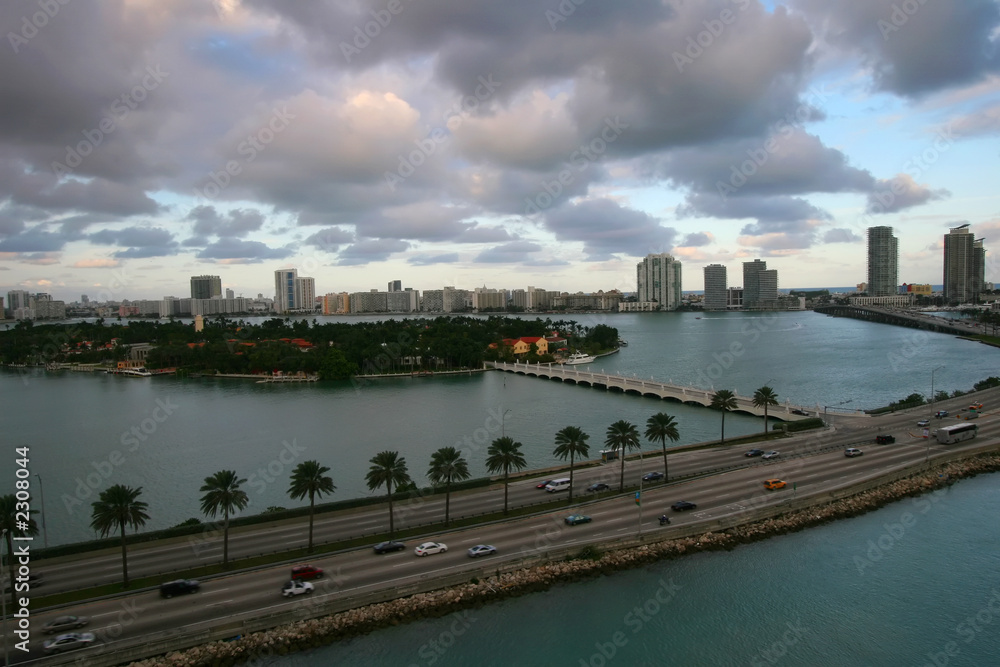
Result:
[[502, 418], [41, 492], [932, 382]]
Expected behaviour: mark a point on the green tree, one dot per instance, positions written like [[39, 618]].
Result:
[[503, 455], [764, 397], [116, 508], [622, 436], [571, 442], [724, 400], [447, 465], [662, 427], [12, 525], [223, 493], [310, 479], [387, 469]]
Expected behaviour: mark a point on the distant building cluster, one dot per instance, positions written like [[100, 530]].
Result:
[[759, 290]]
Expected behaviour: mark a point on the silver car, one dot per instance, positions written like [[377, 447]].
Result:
[[68, 642]]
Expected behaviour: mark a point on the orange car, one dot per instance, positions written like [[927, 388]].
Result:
[[772, 484]]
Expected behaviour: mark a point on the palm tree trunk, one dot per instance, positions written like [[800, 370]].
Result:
[[312, 506], [225, 539], [506, 474], [621, 481], [388, 486], [571, 477], [666, 471], [124, 558], [765, 417], [447, 502]]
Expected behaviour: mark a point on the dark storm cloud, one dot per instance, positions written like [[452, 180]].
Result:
[[515, 252], [248, 251], [775, 209], [237, 223], [914, 47], [140, 242], [606, 228], [33, 240], [329, 240], [430, 260], [371, 250]]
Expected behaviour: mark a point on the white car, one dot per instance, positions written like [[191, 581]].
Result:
[[770, 455], [428, 548], [296, 587]]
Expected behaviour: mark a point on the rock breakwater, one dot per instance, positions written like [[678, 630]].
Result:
[[591, 562]]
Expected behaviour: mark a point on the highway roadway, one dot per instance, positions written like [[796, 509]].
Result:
[[812, 463]]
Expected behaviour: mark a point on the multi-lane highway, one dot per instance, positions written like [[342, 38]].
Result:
[[813, 463]]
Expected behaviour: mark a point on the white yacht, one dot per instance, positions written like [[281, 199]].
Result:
[[579, 358]]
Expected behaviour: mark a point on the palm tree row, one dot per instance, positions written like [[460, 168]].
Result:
[[118, 507]]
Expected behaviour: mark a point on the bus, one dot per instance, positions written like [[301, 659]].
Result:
[[948, 435]]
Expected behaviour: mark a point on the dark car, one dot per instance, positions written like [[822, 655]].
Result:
[[305, 571], [64, 623], [542, 484], [755, 452], [682, 505], [576, 519], [386, 547], [179, 587], [801, 413], [652, 476], [68, 642], [884, 439], [599, 486]]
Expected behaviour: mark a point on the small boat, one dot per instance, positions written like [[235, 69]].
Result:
[[130, 372], [622, 342], [579, 358]]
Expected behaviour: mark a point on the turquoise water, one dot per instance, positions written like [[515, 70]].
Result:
[[915, 583], [87, 432]]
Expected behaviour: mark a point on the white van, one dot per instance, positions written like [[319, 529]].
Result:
[[561, 484]]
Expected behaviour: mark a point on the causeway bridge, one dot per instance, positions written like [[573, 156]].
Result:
[[663, 390], [903, 318]]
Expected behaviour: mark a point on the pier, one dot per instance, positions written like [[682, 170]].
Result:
[[902, 318], [656, 389]]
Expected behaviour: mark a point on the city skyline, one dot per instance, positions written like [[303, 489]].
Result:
[[470, 144]]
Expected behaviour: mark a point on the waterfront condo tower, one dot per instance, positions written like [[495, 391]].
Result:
[[659, 281], [292, 293], [883, 262], [964, 265], [716, 295], [751, 282], [205, 287]]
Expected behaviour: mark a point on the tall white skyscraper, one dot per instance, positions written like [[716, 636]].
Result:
[[964, 265], [658, 279]]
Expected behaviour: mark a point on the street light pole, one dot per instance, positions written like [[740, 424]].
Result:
[[932, 382], [41, 492], [502, 419]]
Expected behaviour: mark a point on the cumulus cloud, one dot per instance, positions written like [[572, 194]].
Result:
[[899, 193], [606, 228]]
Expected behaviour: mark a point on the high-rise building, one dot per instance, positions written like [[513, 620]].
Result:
[[292, 293], [751, 282], [658, 279], [395, 286], [964, 265], [715, 287], [230, 294], [205, 287], [767, 284], [883, 261], [17, 299]]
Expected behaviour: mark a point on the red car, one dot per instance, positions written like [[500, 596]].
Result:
[[303, 572]]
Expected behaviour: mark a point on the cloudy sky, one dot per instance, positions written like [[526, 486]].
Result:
[[476, 142]]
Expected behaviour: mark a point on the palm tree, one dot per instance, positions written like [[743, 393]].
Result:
[[662, 427], [764, 397], [572, 442], [222, 492], [447, 465], [623, 436], [12, 525], [117, 507], [388, 468], [502, 455], [309, 479], [724, 400]]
